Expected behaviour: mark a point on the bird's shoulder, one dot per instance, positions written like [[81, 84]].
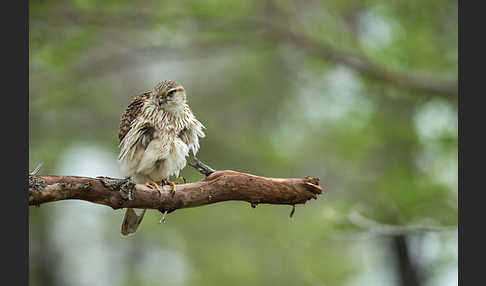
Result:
[[131, 113]]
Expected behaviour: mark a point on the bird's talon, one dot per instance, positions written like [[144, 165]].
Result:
[[154, 185]]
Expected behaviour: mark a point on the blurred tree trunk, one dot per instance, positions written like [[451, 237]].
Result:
[[409, 274], [42, 266], [402, 147]]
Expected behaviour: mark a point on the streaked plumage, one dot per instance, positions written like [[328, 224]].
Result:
[[155, 139]]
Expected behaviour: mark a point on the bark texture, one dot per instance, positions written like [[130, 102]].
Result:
[[219, 186]]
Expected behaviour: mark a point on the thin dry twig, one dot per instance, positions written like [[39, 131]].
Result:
[[37, 169], [372, 226]]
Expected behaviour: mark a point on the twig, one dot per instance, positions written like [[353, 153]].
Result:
[[200, 166], [37, 169], [386, 229], [292, 211], [162, 219]]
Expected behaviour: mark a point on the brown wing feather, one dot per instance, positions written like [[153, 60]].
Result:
[[132, 111]]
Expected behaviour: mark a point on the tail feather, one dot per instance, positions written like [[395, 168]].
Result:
[[131, 221]]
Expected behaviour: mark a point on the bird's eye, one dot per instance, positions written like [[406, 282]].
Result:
[[172, 92]]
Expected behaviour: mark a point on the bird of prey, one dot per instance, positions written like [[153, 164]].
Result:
[[157, 132]]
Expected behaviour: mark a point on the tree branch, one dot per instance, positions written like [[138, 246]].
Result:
[[363, 65], [219, 186], [447, 87]]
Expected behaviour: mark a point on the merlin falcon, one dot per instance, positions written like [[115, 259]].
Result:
[[157, 132]]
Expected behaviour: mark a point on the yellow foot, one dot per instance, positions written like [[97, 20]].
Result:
[[180, 180], [173, 183], [154, 185]]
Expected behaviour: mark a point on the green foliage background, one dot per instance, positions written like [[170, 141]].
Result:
[[272, 107]]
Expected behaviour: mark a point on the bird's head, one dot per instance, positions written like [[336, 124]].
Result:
[[170, 96]]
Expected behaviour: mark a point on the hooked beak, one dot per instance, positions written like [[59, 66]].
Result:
[[162, 101]]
